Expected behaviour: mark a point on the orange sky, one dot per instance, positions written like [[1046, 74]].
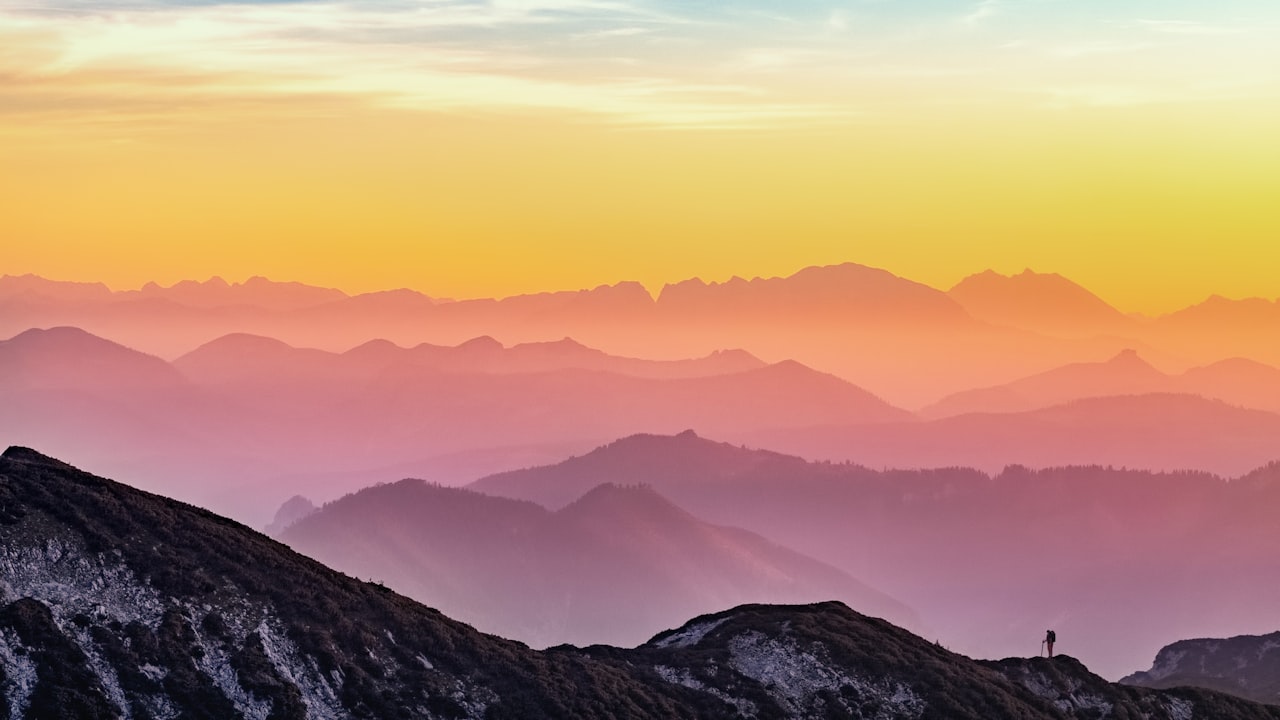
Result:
[[562, 144]]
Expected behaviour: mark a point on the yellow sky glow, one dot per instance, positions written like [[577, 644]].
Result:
[[332, 145]]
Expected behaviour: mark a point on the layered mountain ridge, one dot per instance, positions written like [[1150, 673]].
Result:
[[615, 566], [117, 603], [1059, 546]]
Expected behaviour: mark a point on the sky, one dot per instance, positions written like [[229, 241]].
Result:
[[469, 148]]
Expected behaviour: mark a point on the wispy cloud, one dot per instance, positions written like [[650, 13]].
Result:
[[1093, 49], [611, 33], [981, 11], [1115, 95], [384, 52], [1189, 27]]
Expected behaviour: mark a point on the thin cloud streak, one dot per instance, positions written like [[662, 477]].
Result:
[[627, 62], [1187, 27], [980, 12], [371, 52]]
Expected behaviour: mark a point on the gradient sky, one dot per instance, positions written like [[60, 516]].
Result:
[[488, 148]]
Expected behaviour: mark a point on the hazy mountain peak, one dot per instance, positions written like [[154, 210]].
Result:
[[1130, 358], [36, 287], [1040, 302], [681, 285], [735, 353], [482, 343], [393, 294], [624, 290], [71, 357], [844, 272], [821, 289], [376, 346], [58, 335], [563, 345], [291, 511], [245, 343], [663, 461], [257, 292], [611, 500]]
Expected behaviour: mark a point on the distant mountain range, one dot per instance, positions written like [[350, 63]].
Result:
[[321, 423], [1235, 380], [250, 414], [907, 342], [1157, 431], [1246, 665], [1116, 560], [118, 603], [615, 566], [1039, 302], [251, 358]]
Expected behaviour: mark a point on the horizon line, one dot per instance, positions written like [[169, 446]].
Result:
[[654, 296]]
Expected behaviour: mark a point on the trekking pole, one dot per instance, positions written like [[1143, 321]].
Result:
[[1042, 648]]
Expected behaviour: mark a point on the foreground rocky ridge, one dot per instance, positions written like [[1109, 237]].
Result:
[[119, 604], [1246, 665]]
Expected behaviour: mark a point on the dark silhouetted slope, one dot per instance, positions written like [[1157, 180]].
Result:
[[1246, 665], [116, 602], [172, 607]]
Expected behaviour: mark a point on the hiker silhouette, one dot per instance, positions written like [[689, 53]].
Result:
[[1050, 637]]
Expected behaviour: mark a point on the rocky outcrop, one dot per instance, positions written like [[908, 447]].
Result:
[[1247, 666]]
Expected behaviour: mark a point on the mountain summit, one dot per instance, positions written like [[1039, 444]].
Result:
[[1040, 302]]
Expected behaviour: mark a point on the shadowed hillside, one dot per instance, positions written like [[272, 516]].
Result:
[[1117, 560], [1247, 666], [118, 602]]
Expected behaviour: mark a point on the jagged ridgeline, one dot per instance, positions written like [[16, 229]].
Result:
[[118, 603]]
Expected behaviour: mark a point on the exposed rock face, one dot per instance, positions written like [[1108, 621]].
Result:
[[1247, 666], [1077, 693], [120, 604]]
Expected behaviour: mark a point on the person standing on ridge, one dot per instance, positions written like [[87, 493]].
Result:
[[1050, 637]]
